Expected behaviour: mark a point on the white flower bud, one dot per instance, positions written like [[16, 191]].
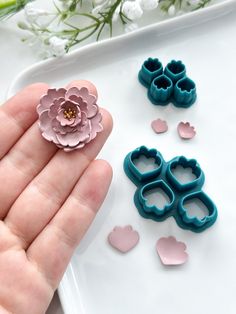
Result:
[[32, 13], [132, 10], [65, 4], [100, 7], [57, 45], [148, 5], [171, 10]]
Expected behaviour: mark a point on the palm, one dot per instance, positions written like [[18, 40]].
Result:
[[23, 287], [48, 200]]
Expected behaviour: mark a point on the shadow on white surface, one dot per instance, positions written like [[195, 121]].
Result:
[[55, 306]]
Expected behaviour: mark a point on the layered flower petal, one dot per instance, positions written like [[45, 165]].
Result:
[[75, 138], [53, 112], [88, 98], [96, 126], [57, 93]]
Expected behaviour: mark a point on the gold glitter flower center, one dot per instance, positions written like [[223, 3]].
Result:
[[69, 114]]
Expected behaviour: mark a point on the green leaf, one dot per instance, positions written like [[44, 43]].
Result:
[[10, 7]]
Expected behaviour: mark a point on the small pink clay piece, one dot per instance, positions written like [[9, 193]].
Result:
[[171, 251], [89, 85], [186, 131], [159, 126], [123, 239]]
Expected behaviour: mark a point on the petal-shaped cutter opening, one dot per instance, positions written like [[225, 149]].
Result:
[[185, 163], [175, 70], [160, 184], [133, 171], [196, 223], [150, 69], [160, 90], [185, 93]]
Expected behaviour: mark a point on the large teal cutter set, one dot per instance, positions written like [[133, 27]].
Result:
[[167, 85], [162, 177]]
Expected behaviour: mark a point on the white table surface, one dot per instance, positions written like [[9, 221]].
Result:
[[16, 56]]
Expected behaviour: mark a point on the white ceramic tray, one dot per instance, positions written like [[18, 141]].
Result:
[[98, 279]]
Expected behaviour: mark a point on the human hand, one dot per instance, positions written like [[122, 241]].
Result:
[[48, 199]]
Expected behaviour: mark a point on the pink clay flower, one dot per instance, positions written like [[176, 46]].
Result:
[[69, 118]]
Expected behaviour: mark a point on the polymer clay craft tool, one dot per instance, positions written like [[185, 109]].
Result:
[[179, 194], [123, 239], [159, 126], [171, 251], [70, 118], [186, 131], [168, 85], [151, 68]]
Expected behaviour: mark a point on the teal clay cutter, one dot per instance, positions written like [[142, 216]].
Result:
[[168, 85], [162, 177]]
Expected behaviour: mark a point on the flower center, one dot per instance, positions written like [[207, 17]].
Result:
[[69, 114]]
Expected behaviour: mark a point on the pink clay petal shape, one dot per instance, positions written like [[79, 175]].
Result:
[[55, 107], [74, 138], [52, 95], [62, 120], [123, 239], [186, 131], [56, 93], [89, 98], [68, 104], [45, 103], [90, 86], [81, 92], [62, 130], [78, 100], [80, 119], [58, 128], [49, 134], [86, 97], [69, 149], [45, 120], [71, 92], [159, 126], [71, 139], [96, 125], [92, 111], [171, 251]]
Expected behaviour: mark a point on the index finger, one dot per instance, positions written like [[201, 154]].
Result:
[[18, 114]]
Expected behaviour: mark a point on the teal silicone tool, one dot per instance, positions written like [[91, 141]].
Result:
[[151, 68], [184, 93], [160, 90], [161, 176], [175, 70], [171, 86]]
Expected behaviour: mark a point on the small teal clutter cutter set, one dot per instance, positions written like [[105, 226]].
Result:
[[178, 193], [168, 85]]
